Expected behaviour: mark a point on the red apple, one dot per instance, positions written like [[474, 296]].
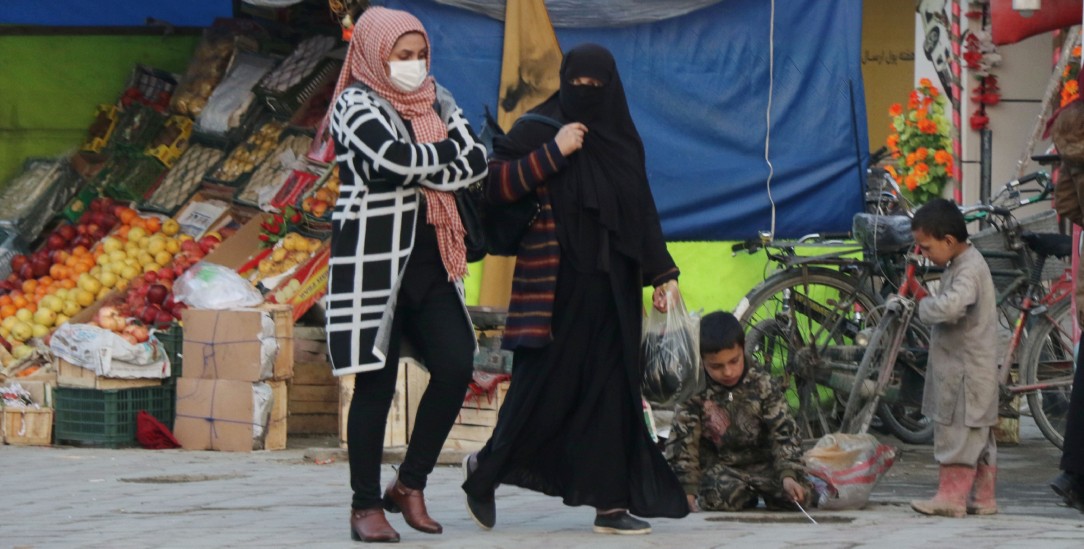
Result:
[[178, 309], [138, 331], [55, 242], [148, 314], [157, 293], [151, 277], [67, 231], [17, 262]]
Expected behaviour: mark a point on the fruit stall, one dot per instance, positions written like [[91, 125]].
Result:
[[151, 281]]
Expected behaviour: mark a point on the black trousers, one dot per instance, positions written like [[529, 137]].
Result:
[[431, 316], [1072, 456]]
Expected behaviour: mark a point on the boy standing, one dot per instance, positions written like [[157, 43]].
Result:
[[735, 442], [961, 392]]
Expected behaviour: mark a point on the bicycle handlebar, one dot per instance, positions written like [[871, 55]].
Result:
[[1045, 159]]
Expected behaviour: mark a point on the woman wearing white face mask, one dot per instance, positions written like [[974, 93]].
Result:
[[398, 258]]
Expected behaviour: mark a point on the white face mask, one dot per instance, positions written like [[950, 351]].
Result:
[[407, 75]]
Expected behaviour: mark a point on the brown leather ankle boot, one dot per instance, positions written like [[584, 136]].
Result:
[[370, 525], [412, 503]]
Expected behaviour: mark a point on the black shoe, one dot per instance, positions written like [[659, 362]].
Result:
[[1068, 487], [483, 512], [620, 523]]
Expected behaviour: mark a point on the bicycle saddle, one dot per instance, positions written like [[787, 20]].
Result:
[[1049, 244]]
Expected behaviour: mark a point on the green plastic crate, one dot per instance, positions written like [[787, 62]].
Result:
[[91, 417], [172, 340]]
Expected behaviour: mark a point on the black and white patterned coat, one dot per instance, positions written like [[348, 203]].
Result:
[[382, 171]]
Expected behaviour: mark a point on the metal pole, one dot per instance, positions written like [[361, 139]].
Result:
[[986, 160]]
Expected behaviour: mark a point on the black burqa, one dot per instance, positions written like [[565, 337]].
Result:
[[573, 425]]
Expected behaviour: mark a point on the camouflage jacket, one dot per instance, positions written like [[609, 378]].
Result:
[[750, 424]]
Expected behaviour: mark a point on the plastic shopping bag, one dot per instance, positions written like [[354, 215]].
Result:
[[670, 353], [846, 467], [212, 286]]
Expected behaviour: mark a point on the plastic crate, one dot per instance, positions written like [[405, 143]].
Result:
[[172, 341], [89, 417]]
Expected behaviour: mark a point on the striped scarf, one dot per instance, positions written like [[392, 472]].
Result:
[[371, 43]]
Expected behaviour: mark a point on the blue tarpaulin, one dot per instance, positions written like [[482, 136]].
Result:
[[698, 88], [113, 13]]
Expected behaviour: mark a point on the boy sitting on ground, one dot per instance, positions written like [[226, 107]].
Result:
[[735, 442]]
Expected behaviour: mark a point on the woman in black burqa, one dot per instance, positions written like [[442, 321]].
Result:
[[573, 424]]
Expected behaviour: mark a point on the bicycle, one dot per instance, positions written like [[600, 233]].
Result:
[[804, 322], [1041, 337]]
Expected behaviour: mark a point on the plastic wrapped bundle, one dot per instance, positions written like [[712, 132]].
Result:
[[670, 354], [883, 233]]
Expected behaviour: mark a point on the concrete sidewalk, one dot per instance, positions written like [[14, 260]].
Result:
[[77, 497]]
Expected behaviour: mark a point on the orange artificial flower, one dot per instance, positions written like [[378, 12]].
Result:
[[921, 114], [922, 170], [921, 153], [942, 157], [895, 110], [911, 182], [925, 83], [911, 159], [893, 142]]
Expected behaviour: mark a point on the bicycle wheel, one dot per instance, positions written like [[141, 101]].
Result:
[[863, 399], [792, 318], [1048, 358], [902, 415]]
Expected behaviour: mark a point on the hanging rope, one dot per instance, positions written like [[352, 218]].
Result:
[[768, 114]]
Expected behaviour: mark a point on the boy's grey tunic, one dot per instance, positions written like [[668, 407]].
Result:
[[963, 344]]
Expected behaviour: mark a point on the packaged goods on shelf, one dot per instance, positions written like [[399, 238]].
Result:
[[179, 184], [272, 174], [298, 65], [244, 158], [34, 196], [233, 97], [204, 72]]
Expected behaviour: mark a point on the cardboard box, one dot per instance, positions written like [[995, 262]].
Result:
[[235, 250], [28, 426], [226, 345], [200, 214], [70, 375], [217, 414]]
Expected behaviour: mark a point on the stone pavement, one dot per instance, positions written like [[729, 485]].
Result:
[[79, 497]]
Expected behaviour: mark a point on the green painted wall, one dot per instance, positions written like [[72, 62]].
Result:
[[50, 85]]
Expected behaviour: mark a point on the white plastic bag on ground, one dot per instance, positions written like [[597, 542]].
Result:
[[846, 468], [211, 286], [670, 353]]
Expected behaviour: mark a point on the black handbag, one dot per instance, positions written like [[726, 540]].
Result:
[[503, 224], [506, 224], [468, 202], [493, 229]]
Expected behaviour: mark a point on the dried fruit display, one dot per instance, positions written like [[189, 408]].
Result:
[[184, 178], [245, 157], [204, 72], [270, 175]]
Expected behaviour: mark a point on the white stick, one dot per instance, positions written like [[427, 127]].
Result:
[[804, 513]]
